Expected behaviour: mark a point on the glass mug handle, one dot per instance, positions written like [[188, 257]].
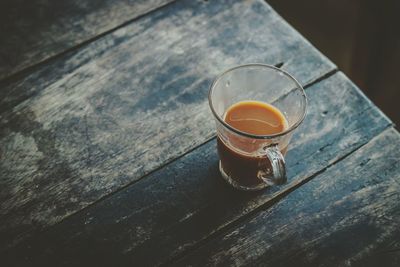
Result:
[[277, 174]]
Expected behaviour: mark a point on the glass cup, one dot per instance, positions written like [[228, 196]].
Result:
[[248, 161]]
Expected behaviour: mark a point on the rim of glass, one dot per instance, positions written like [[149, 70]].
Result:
[[291, 128]]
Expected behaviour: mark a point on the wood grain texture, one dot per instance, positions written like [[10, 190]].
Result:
[[33, 31], [347, 216], [102, 117], [177, 207], [206, 38]]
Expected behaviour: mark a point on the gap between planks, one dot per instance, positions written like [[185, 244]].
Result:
[[275, 198], [24, 71], [316, 65], [278, 196]]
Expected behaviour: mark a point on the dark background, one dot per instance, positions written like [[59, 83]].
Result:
[[362, 37]]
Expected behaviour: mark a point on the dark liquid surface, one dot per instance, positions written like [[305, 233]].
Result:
[[255, 118]]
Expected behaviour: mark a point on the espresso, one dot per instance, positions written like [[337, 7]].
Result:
[[240, 159], [255, 117]]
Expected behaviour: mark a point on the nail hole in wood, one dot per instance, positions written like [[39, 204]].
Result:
[[364, 162]]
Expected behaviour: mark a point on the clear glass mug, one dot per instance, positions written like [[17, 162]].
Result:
[[247, 161]]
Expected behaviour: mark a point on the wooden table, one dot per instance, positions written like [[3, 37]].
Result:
[[107, 144]]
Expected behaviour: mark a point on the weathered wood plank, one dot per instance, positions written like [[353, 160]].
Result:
[[186, 202], [163, 40], [347, 216], [33, 31], [104, 116]]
